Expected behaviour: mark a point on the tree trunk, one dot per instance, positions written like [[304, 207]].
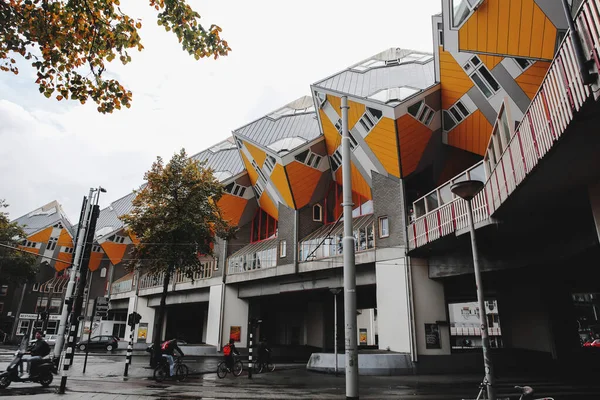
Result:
[[161, 315]]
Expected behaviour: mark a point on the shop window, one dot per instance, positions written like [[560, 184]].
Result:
[[587, 314], [23, 327], [384, 227], [282, 249], [52, 327], [465, 325], [317, 213]]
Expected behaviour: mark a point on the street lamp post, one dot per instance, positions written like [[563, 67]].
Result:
[[335, 292], [467, 190]]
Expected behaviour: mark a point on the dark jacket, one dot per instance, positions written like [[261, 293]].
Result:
[[39, 348], [170, 347]]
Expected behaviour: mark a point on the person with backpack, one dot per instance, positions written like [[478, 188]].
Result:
[[228, 351], [167, 350]]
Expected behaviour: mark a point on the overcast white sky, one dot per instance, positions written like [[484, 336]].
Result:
[[53, 150]]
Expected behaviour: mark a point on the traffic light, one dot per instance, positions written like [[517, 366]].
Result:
[[43, 315], [133, 319]]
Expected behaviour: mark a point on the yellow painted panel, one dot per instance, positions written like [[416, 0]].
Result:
[[492, 25], [64, 239], [336, 103], [281, 183], [42, 236], [537, 37], [549, 40], [413, 137], [258, 154], [531, 79], [268, 205], [30, 250], [454, 81], [114, 251], [482, 27], [503, 22], [303, 181], [526, 27], [382, 141], [252, 174], [65, 261], [472, 134], [490, 61], [359, 185], [332, 136], [463, 36], [95, 259], [514, 26], [354, 113], [232, 207], [473, 30]]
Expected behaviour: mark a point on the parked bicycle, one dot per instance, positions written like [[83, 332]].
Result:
[[163, 370], [526, 393], [222, 368]]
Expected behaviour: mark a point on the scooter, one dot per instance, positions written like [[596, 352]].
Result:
[[41, 371]]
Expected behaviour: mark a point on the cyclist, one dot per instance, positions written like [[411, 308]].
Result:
[[228, 351], [264, 352], [167, 350]]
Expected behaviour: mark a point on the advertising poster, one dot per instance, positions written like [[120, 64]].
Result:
[[142, 331], [432, 336], [362, 336], [235, 333]]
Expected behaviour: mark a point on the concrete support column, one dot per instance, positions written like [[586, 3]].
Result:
[[235, 313], [214, 311], [392, 305]]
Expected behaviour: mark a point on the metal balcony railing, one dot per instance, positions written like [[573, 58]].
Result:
[[205, 271], [509, 161], [255, 256]]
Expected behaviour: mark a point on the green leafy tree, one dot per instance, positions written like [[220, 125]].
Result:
[[175, 218], [16, 266], [69, 43]]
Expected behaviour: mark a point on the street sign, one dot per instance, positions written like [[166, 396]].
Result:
[[102, 306]]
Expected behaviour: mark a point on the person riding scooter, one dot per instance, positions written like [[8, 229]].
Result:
[[35, 352], [41, 369]]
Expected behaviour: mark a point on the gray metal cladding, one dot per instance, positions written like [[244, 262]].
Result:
[[223, 160], [266, 130], [38, 219]]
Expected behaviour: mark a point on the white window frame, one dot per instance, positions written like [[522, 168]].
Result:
[[473, 69], [237, 190], [380, 221], [320, 208], [269, 164], [425, 113], [51, 244], [472, 5], [529, 61], [282, 249], [23, 323]]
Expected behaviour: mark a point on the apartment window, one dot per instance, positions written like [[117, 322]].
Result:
[[52, 328], [103, 272], [370, 118], [481, 76], [259, 171], [23, 327], [3, 290], [317, 213], [336, 160], [68, 250], [282, 249], [309, 158], [448, 121], [235, 189], [440, 34], [239, 143], [269, 164], [523, 63], [384, 227], [51, 244], [421, 112], [258, 188]]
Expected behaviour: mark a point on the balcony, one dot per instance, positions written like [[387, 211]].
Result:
[[513, 154], [326, 242], [256, 256], [122, 285]]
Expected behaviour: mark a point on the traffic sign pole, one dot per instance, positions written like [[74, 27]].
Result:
[[87, 348]]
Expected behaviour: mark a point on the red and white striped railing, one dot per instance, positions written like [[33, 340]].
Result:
[[559, 98]]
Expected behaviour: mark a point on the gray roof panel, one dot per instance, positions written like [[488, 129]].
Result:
[[42, 217]]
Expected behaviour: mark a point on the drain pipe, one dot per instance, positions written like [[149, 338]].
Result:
[[296, 245], [223, 275], [411, 311], [587, 77]]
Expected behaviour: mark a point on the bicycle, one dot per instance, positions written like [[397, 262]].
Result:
[[163, 370], [260, 366], [222, 369], [526, 393]]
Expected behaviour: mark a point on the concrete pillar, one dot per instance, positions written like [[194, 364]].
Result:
[[429, 306], [213, 315], [392, 305], [235, 313]]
